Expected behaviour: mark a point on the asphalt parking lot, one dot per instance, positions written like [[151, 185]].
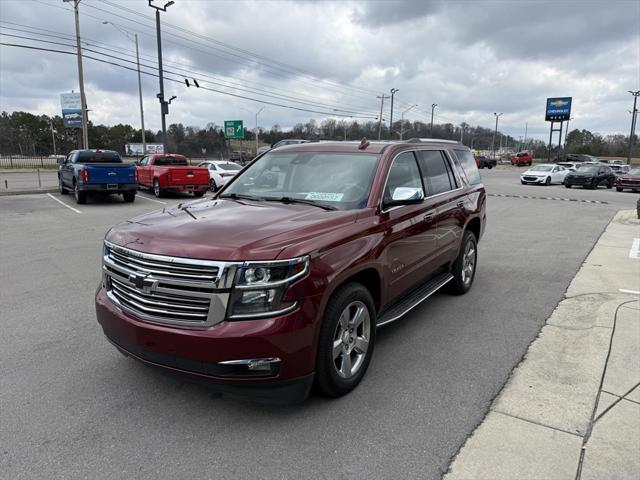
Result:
[[73, 407]]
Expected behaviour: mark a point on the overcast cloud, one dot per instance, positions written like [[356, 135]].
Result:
[[472, 58]]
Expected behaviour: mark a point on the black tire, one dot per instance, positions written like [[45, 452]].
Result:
[[327, 380], [213, 186], [81, 197], [198, 194], [567, 185], [489, 166], [610, 184], [129, 197], [63, 191], [157, 191], [460, 285], [547, 182], [618, 189]]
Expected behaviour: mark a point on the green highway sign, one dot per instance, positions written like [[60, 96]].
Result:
[[233, 129]]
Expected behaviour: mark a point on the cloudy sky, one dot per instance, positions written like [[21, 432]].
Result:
[[472, 58]]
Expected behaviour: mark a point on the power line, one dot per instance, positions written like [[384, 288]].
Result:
[[180, 81]]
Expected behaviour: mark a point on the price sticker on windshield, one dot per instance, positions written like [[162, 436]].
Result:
[[324, 196]]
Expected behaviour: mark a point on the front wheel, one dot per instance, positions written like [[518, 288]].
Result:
[[347, 338], [547, 182], [489, 166], [610, 185], [63, 191], [618, 189], [567, 185], [464, 268]]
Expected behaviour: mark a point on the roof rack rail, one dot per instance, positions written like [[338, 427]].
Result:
[[429, 140]]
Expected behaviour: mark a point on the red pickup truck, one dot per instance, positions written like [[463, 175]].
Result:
[[522, 158], [171, 173]]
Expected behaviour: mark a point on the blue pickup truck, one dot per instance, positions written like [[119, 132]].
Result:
[[86, 172]]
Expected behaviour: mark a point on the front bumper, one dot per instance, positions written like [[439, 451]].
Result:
[[199, 354], [531, 179], [579, 181], [186, 188], [630, 184]]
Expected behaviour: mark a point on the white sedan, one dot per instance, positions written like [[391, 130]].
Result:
[[545, 174], [220, 172]]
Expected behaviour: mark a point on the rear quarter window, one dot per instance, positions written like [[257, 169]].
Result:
[[98, 157], [468, 165]]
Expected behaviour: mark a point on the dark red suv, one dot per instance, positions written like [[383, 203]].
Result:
[[279, 281]]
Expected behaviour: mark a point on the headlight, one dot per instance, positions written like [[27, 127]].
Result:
[[259, 288]]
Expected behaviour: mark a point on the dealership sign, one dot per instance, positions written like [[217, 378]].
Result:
[[71, 110], [136, 149], [558, 109]]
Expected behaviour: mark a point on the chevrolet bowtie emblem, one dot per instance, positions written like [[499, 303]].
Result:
[[143, 283]]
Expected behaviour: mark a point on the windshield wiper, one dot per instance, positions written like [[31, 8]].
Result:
[[242, 196], [301, 200]]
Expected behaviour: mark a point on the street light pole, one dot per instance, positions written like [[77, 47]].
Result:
[[433, 107], [402, 120], [493, 142], [135, 35], [164, 105], [257, 113], [83, 99], [393, 92], [382, 98], [634, 113]]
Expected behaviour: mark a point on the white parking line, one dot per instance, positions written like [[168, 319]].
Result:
[[64, 204], [144, 197], [635, 249], [635, 292]]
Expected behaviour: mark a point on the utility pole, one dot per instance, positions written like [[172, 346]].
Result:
[[53, 137], [393, 92], [164, 104], [83, 99], [526, 127], [461, 132], [433, 107], [380, 118], [493, 143], [402, 120], [135, 35], [257, 131], [634, 113]]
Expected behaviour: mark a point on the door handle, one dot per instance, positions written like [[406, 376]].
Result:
[[460, 204], [427, 217]]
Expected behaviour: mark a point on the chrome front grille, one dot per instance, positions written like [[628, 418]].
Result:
[[164, 289]]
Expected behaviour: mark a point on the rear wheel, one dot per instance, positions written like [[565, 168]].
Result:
[[81, 197], [347, 338], [212, 184], [568, 185], [610, 184], [198, 194], [157, 191], [464, 268], [489, 166], [129, 197]]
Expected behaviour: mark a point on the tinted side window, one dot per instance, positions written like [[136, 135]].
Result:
[[435, 172], [404, 172], [469, 167], [144, 161]]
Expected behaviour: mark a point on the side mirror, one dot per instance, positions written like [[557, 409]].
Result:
[[406, 196], [60, 161], [137, 162]]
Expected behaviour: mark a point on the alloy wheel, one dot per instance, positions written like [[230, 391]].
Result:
[[351, 339], [468, 263]]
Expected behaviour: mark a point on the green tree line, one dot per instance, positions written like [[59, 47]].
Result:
[[23, 133]]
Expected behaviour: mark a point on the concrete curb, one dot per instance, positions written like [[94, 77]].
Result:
[[541, 423], [28, 192]]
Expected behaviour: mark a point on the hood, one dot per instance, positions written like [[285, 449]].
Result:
[[218, 229], [535, 174], [582, 174]]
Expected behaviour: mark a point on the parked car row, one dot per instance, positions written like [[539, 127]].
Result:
[[88, 172], [587, 175]]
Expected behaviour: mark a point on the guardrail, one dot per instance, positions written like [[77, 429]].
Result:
[[19, 161]]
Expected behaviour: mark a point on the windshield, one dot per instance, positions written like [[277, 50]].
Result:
[[342, 180], [542, 168], [634, 171], [588, 169], [171, 161], [229, 166]]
